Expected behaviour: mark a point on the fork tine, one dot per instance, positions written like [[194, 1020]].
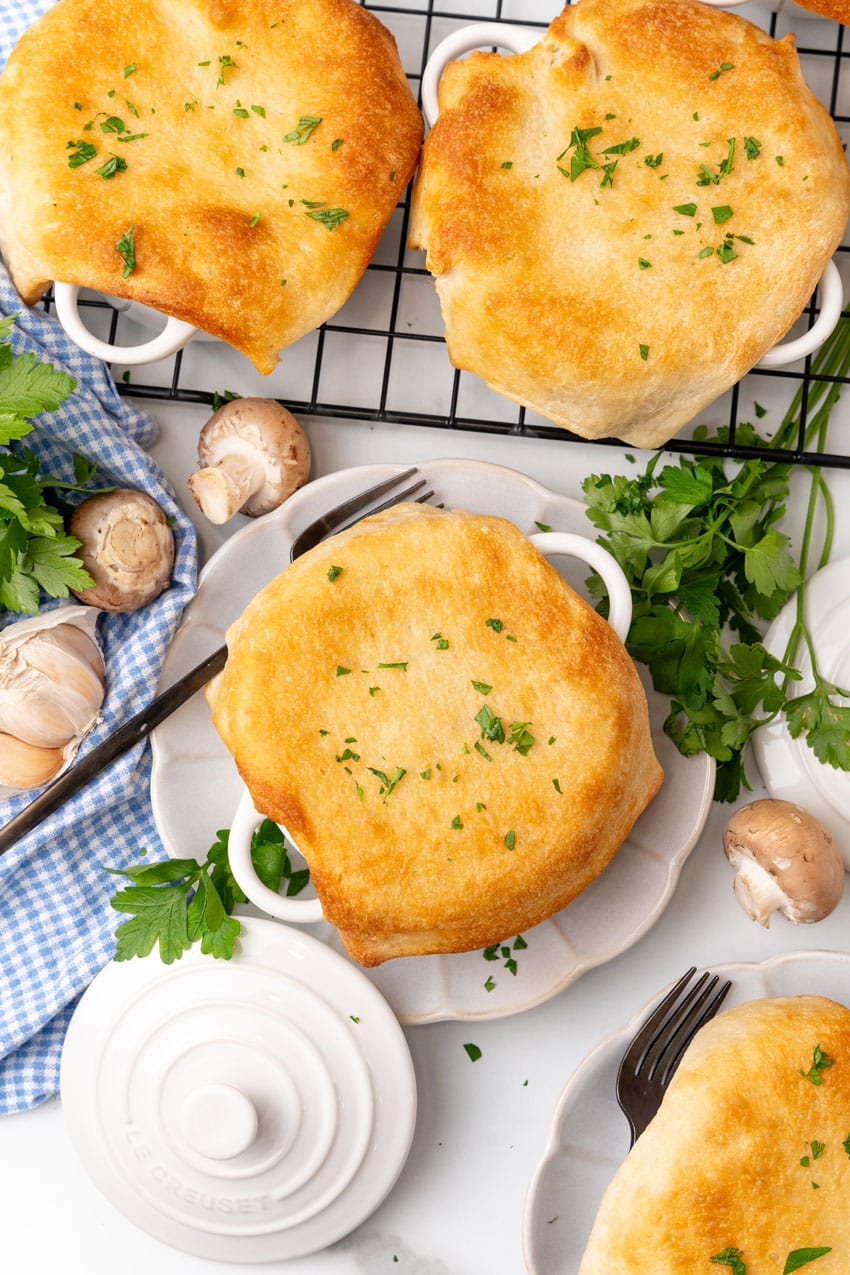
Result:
[[395, 499], [702, 1010], [331, 521], [676, 1024], [636, 1051]]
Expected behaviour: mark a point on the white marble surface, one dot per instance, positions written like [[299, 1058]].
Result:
[[457, 1208]]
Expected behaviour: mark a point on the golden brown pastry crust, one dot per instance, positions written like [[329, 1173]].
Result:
[[720, 1165], [591, 303], [311, 707], [839, 10], [213, 247]]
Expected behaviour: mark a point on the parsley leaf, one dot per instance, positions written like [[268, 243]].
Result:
[[801, 1257], [731, 1257], [178, 902], [820, 1062], [709, 567]]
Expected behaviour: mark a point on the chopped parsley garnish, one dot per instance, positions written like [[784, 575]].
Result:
[[707, 178], [115, 164], [83, 152], [820, 1062], [556, 783], [254, 219], [510, 839], [329, 217], [582, 158], [721, 214], [801, 1257], [507, 163], [334, 573], [402, 665], [752, 147], [687, 210], [724, 66], [225, 63], [341, 670], [241, 112], [113, 124], [521, 738], [484, 687], [259, 110], [307, 125], [479, 748], [442, 643], [731, 1257], [623, 148], [473, 1051], [388, 783], [491, 725], [644, 352], [129, 69], [495, 625], [126, 249], [653, 161], [643, 263], [457, 822]]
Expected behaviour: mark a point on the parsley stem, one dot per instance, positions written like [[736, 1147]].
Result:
[[833, 359]]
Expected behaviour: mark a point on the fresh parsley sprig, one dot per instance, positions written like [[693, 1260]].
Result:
[[178, 902], [35, 553], [709, 568]]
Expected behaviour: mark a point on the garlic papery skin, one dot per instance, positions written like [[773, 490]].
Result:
[[52, 682]]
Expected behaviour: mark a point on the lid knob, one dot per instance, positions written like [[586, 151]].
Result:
[[219, 1121]]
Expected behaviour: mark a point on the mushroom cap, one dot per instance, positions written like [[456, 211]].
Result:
[[785, 860], [127, 547], [263, 430]]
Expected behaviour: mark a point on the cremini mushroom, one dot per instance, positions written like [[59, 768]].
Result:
[[785, 861], [126, 545], [254, 454]]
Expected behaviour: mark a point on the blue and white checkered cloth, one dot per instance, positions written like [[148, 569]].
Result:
[[56, 925]]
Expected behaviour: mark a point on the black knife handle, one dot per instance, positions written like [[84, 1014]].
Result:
[[116, 745]]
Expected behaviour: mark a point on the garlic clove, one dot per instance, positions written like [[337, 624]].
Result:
[[24, 765], [52, 684], [49, 692]]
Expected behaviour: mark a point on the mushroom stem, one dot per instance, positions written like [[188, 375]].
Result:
[[223, 488], [253, 454]]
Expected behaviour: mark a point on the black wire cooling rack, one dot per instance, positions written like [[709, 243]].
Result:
[[383, 357]]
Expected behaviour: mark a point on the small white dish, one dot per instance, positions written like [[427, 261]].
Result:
[[195, 787], [788, 767], [589, 1137], [249, 1110]]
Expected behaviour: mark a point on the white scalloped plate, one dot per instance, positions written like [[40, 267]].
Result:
[[589, 1138], [195, 787]]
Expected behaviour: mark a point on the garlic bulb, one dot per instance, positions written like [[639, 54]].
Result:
[[51, 689]]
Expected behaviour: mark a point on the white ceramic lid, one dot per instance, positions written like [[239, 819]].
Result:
[[248, 1110]]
